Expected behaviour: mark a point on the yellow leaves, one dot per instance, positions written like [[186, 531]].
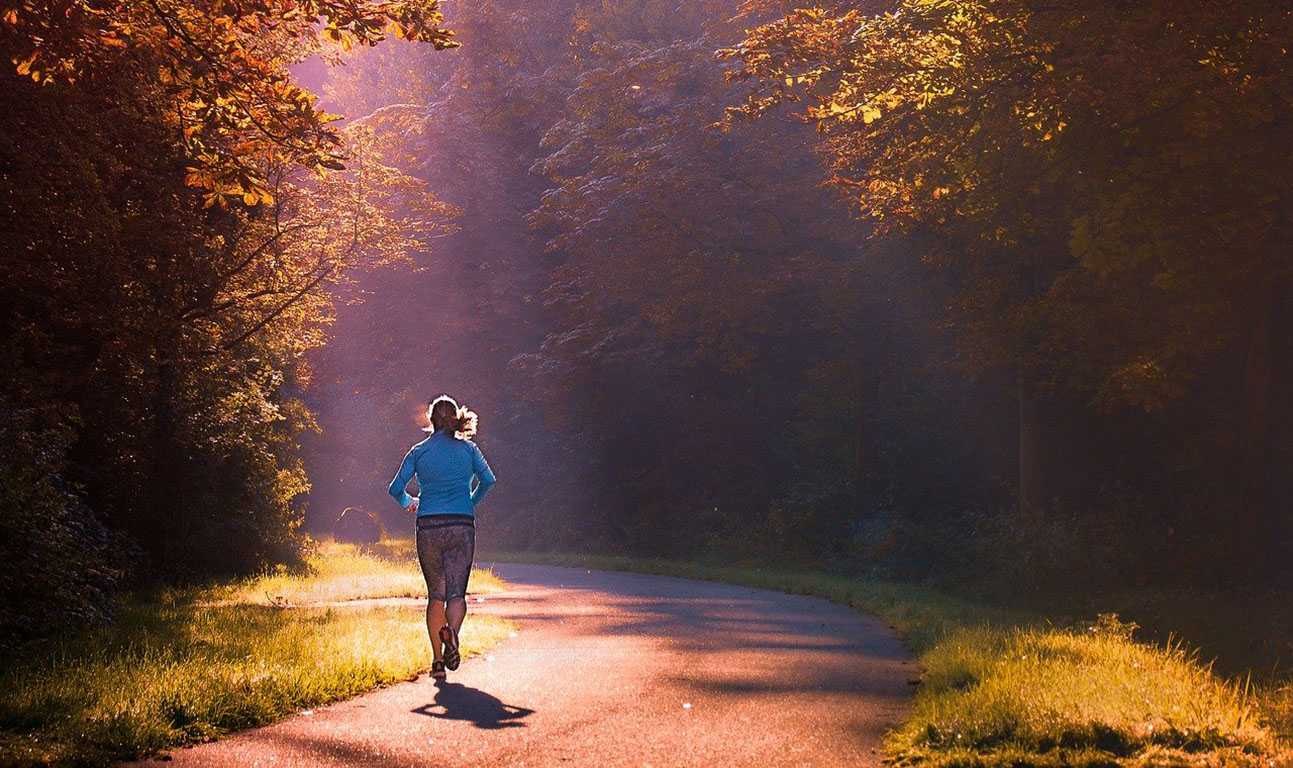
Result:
[[870, 114], [338, 36], [257, 196], [212, 198], [27, 66]]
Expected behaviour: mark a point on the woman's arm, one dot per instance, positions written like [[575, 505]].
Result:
[[484, 475], [401, 481]]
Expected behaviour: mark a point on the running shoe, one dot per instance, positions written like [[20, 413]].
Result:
[[450, 639], [437, 669]]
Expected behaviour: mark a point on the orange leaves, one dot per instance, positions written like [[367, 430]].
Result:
[[224, 66], [256, 197], [339, 36], [26, 66]]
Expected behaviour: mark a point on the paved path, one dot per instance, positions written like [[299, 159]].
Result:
[[617, 669]]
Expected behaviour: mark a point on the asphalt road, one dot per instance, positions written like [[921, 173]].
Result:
[[617, 669]]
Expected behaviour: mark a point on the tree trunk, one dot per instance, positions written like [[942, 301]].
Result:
[[163, 499], [1255, 526], [866, 473], [1032, 487]]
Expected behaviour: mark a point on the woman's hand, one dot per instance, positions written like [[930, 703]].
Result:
[[412, 508]]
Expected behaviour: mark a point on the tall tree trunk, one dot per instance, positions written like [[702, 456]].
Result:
[[1254, 523], [163, 498], [866, 472], [1032, 487]]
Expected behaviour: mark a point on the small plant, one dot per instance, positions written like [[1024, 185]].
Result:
[[1109, 625]]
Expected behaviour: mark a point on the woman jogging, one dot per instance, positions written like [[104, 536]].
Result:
[[444, 465]]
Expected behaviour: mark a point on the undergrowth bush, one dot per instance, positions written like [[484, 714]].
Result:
[[58, 563]]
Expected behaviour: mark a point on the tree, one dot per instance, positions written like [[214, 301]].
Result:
[[220, 68], [687, 263], [1009, 134], [167, 334], [247, 312]]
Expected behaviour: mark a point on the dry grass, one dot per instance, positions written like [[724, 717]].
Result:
[[183, 668]]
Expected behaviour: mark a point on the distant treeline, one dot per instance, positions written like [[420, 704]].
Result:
[[976, 291]]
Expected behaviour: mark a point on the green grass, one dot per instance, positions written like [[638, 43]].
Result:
[[1065, 697], [1008, 687], [191, 665]]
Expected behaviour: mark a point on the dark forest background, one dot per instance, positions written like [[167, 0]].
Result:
[[993, 295]]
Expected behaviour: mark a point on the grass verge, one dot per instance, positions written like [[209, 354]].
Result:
[[1007, 687], [188, 666]]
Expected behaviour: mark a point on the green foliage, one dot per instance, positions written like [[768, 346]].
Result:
[[1016, 133], [1103, 187]]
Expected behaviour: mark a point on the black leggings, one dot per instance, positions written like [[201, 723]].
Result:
[[446, 546]]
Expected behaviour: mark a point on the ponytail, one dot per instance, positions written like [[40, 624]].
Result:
[[466, 423], [454, 420]]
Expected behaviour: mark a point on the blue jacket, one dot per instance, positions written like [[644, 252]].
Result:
[[444, 466]]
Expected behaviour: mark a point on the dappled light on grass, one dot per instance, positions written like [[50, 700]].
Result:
[[178, 671]]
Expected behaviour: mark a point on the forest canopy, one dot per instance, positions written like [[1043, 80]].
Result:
[[978, 292]]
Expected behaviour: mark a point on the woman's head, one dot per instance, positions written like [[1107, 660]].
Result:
[[448, 417]]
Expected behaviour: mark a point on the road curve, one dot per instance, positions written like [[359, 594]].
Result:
[[619, 669]]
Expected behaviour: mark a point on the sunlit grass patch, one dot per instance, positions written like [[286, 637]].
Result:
[[180, 670], [1277, 709], [339, 571], [1074, 698]]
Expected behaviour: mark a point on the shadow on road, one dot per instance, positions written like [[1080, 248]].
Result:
[[454, 701]]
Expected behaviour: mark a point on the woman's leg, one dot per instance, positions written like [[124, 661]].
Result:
[[430, 544], [435, 620], [455, 611], [457, 570]]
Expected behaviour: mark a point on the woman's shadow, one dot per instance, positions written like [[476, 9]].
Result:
[[454, 701]]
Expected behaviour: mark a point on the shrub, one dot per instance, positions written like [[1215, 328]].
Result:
[[58, 563]]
